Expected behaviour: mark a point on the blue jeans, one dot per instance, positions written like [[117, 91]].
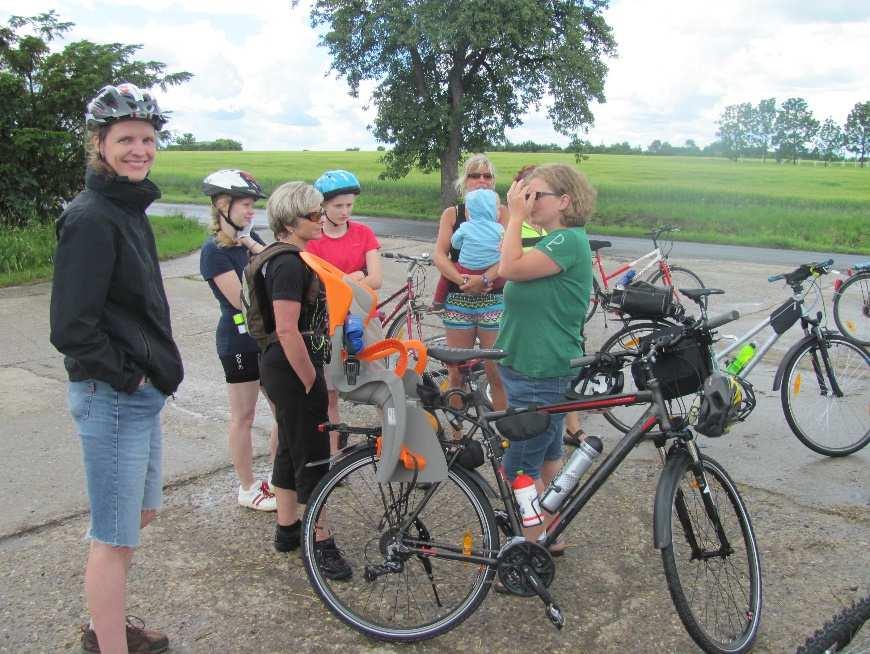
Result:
[[121, 448], [530, 455]]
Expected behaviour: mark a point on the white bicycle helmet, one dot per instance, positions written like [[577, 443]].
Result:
[[236, 183]]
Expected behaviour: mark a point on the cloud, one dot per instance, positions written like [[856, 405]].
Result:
[[261, 78]]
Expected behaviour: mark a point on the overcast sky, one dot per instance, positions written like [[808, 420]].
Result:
[[260, 78]]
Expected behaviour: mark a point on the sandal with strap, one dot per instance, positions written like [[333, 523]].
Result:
[[574, 438]]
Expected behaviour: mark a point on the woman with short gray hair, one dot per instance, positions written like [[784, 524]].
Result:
[[293, 305]]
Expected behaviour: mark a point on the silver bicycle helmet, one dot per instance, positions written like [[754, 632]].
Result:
[[124, 101]]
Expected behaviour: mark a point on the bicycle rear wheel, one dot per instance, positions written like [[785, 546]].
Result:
[[396, 596], [852, 309], [680, 278], [628, 338], [594, 300], [825, 423], [715, 585]]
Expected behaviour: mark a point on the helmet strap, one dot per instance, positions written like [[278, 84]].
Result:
[[226, 216]]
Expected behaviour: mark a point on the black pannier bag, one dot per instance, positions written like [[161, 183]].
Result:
[[681, 369], [643, 300]]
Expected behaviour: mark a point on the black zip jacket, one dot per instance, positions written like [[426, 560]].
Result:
[[109, 313]]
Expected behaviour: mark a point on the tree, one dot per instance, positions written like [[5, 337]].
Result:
[[829, 140], [794, 127], [42, 103], [735, 129], [454, 74], [763, 118], [185, 140], [857, 134]]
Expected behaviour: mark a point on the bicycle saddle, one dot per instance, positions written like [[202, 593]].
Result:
[[597, 245], [461, 355], [697, 293]]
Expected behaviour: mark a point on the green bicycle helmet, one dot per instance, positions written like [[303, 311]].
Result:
[[124, 101], [337, 182]]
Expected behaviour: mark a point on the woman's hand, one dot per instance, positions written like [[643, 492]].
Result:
[[519, 205], [473, 285], [357, 276]]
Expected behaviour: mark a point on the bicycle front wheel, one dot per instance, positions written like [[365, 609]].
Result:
[[823, 421], [852, 309], [680, 278], [395, 595], [715, 583], [628, 338]]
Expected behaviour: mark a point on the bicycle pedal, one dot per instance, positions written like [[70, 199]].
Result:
[[554, 613]]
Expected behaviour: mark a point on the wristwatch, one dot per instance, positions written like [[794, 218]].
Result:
[[464, 279], [486, 281]]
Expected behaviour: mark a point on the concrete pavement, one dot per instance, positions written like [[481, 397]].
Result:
[[209, 576]]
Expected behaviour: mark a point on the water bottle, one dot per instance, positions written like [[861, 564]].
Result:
[[571, 472], [239, 322], [625, 280], [743, 356], [527, 499]]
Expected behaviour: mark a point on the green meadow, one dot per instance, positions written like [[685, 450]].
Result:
[[714, 200]]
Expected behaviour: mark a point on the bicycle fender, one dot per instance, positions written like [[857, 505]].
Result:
[[780, 371], [668, 481], [484, 485]]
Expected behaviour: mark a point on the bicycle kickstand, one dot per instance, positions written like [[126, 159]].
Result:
[[554, 613]]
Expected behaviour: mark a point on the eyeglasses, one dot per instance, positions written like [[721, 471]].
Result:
[[313, 216], [486, 176], [540, 194]]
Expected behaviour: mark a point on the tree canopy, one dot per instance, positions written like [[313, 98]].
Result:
[[43, 95], [857, 133], [454, 74]]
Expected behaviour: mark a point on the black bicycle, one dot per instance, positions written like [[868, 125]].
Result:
[[425, 555]]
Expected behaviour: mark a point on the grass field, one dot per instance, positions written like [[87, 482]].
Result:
[[26, 253], [713, 200]]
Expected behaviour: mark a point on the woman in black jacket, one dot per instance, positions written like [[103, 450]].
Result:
[[110, 318]]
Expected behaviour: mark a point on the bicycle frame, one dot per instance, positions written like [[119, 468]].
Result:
[[655, 255], [406, 302]]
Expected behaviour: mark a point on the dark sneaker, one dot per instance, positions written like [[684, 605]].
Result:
[[330, 561], [139, 639], [288, 538]]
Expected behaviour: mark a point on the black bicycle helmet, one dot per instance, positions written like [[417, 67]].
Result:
[[337, 182], [601, 378], [720, 404], [124, 101], [235, 183]]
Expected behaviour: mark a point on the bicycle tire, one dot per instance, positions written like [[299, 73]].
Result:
[[594, 300], [839, 631], [681, 278], [831, 426], [357, 518], [852, 309], [399, 328], [720, 620], [628, 338]]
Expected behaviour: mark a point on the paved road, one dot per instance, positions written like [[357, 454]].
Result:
[[624, 247]]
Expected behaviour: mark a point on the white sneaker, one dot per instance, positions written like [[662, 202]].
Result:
[[258, 497]]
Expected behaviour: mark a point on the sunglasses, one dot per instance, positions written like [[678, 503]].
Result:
[[486, 176], [313, 216], [539, 194]]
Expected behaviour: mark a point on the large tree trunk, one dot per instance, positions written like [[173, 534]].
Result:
[[450, 157]]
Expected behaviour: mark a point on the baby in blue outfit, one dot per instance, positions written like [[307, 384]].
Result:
[[478, 239]]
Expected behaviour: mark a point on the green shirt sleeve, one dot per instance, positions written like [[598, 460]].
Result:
[[562, 246]]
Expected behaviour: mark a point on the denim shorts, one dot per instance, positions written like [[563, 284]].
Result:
[[121, 448], [530, 455]]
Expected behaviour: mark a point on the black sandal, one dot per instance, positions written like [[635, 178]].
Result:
[[574, 438]]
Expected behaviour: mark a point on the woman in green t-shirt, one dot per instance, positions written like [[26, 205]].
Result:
[[545, 304]]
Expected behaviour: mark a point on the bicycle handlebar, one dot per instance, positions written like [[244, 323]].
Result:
[[422, 259], [804, 271], [718, 321]]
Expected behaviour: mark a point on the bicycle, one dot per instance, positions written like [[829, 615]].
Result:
[[823, 378], [657, 271], [425, 555], [840, 631], [852, 305]]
